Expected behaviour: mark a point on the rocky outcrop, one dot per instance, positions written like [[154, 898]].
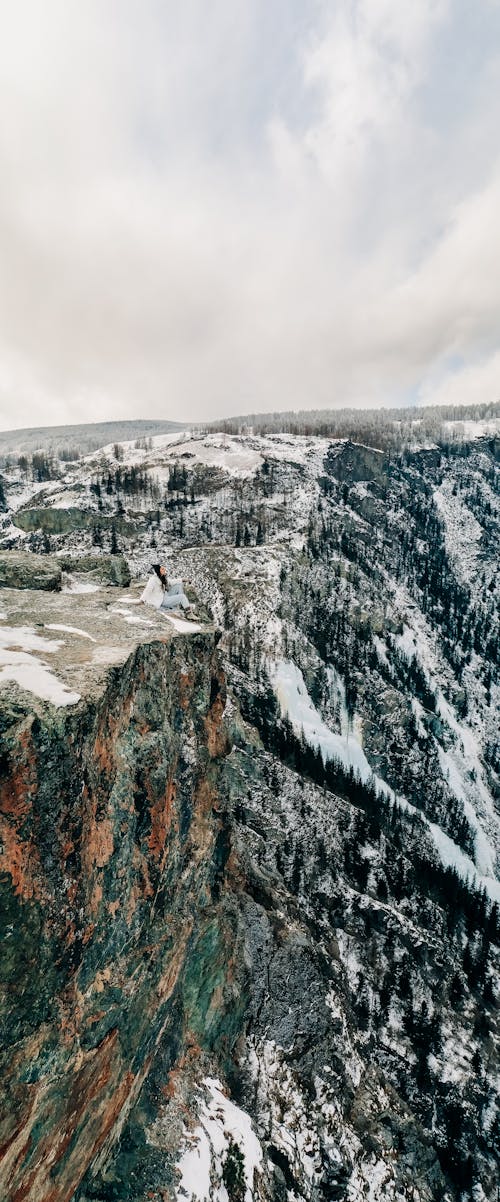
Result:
[[353, 463], [104, 569], [20, 569], [110, 853], [67, 520]]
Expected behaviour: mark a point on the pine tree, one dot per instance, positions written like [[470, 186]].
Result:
[[456, 989], [233, 1172]]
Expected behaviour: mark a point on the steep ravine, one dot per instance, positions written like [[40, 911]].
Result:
[[112, 841]]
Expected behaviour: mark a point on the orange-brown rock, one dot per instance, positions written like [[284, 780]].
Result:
[[109, 820]]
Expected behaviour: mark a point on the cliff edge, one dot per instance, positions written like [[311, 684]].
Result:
[[111, 727]]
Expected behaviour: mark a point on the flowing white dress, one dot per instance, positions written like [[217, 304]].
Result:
[[173, 597], [153, 593]]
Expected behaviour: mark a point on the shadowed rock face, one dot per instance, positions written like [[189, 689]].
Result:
[[353, 463], [109, 857]]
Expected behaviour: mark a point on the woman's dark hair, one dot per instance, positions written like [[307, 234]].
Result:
[[156, 568]]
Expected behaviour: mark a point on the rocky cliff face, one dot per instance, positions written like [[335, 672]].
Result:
[[252, 944], [112, 843]]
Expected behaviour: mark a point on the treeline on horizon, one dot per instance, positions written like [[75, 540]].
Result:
[[386, 429]]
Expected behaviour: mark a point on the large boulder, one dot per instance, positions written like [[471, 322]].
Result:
[[103, 569], [22, 569]]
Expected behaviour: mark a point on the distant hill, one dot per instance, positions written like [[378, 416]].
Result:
[[390, 430], [84, 437]]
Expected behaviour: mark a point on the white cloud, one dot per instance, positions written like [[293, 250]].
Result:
[[207, 209], [367, 64], [474, 384]]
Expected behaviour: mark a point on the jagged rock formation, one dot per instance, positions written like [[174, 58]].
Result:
[[320, 903], [109, 861]]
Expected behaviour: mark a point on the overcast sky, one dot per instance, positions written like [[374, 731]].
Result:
[[219, 206]]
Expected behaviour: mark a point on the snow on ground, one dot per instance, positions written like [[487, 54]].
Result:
[[484, 852], [132, 454], [417, 638], [292, 448], [79, 586], [19, 496], [453, 857], [64, 500], [239, 455], [229, 452], [201, 1165], [169, 440], [70, 630], [26, 670], [381, 650], [373, 1180], [351, 727], [407, 642], [132, 619], [461, 763], [352, 1061], [30, 674], [25, 638], [181, 624], [226, 451], [462, 531], [296, 703], [465, 773], [471, 429], [293, 1123]]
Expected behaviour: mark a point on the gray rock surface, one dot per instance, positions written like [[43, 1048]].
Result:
[[355, 463], [22, 570], [103, 569]]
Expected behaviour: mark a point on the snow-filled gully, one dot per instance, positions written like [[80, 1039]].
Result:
[[296, 704]]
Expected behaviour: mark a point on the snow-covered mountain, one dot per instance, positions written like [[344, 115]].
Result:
[[357, 591]]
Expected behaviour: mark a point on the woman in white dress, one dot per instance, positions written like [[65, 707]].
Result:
[[164, 595]]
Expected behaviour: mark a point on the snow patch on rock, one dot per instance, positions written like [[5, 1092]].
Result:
[[296, 704], [201, 1165], [17, 665], [70, 630]]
